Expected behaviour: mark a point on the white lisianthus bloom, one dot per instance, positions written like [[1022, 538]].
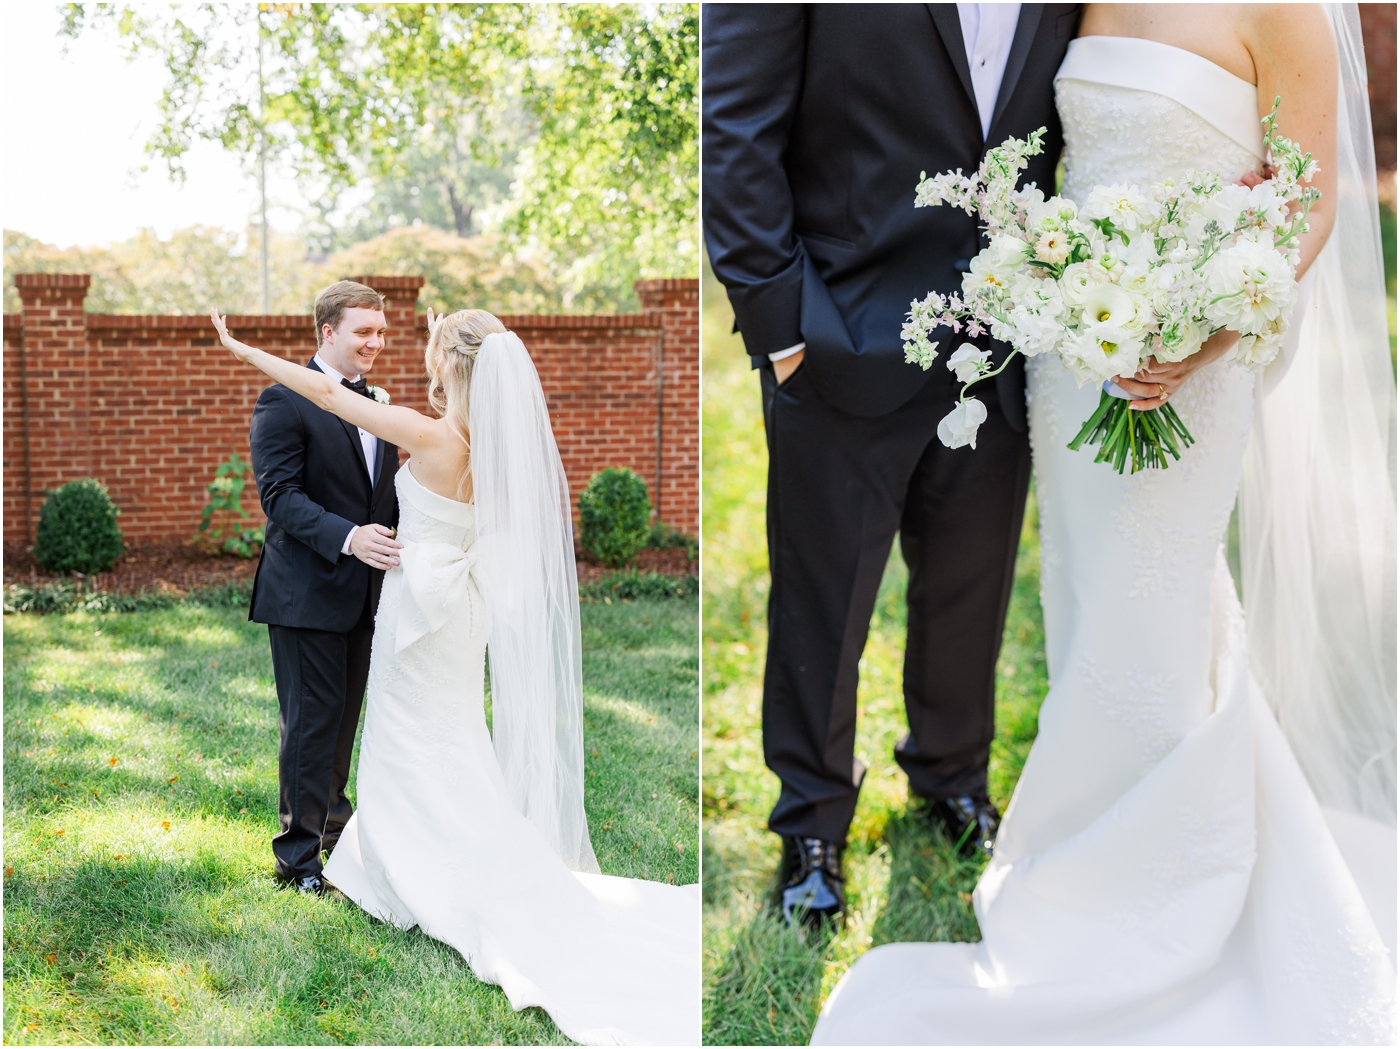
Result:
[[959, 427], [1250, 286], [1112, 320], [1226, 205], [1266, 202], [996, 267], [1052, 246], [1126, 206], [1075, 283], [379, 394], [968, 362]]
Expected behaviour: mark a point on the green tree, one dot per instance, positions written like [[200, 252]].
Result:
[[594, 109]]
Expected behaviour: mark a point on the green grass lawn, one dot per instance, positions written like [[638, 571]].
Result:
[[141, 795], [765, 984]]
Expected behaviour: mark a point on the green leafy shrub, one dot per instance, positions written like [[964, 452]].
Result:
[[615, 516], [639, 586], [663, 537], [78, 529], [61, 597], [223, 515]]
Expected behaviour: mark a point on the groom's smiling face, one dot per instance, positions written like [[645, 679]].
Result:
[[351, 347]]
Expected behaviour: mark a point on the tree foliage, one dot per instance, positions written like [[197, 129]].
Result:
[[591, 109], [200, 266]]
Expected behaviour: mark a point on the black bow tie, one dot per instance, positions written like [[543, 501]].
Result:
[[360, 386]]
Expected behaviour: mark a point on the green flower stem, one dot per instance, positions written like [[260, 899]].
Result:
[[1122, 434]]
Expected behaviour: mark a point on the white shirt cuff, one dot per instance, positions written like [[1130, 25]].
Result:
[[346, 548], [784, 354]]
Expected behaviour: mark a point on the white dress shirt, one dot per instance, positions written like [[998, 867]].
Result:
[[987, 31], [367, 439]]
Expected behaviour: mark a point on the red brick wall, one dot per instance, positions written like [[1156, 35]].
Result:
[[1378, 39], [149, 405]]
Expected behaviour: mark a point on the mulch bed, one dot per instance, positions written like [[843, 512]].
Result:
[[175, 567]]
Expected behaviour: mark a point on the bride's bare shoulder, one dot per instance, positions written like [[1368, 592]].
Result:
[[1286, 34]]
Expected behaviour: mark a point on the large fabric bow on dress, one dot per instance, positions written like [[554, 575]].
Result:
[[436, 580]]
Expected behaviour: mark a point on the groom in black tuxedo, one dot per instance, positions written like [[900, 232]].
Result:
[[818, 120], [328, 491]]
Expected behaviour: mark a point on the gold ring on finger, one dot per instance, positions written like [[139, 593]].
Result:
[[1163, 387]]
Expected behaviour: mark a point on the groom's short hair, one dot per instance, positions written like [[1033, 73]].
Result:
[[343, 295]]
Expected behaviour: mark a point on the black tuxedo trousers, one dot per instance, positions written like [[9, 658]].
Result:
[[315, 486], [321, 677], [839, 488]]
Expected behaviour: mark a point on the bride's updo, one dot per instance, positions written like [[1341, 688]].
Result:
[[453, 345]]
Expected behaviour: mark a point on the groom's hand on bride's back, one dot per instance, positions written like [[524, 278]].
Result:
[[375, 545]]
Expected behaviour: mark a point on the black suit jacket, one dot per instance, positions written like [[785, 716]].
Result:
[[314, 486], [817, 122]]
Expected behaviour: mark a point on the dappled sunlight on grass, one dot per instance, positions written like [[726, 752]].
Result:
[[141, 798], [764, 984]]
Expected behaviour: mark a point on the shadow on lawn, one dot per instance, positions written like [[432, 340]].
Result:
[[139, 900]]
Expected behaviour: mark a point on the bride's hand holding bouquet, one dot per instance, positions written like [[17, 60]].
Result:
[[1134, 282]]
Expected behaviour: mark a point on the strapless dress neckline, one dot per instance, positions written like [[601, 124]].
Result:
[[1211, 91]]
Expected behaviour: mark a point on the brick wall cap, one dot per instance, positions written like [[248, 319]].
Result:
[[196, 320], [53, 280], [667, 284], [391, 283]]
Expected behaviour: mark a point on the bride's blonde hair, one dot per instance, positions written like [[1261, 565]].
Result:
[[453, 345]]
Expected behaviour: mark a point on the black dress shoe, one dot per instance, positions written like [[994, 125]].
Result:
[[812, 889], [969, 820], [312, 885]]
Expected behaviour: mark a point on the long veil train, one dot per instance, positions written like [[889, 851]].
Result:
[[1317, 516]]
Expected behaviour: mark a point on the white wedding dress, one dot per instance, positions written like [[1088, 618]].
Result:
[[436, 841], [1164, 873]]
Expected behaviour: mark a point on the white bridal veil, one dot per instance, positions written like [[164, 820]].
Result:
[[526, 568], [1317, 503]]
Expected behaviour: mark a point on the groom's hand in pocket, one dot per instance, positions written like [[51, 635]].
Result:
[[376, 546], [784, 368]]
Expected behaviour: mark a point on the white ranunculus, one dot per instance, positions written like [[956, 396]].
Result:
[[1126, 206], [1105, 267], [1006, 255], [379, 394], [959, 427], [1255, 351], [967, 362], [1250, 286], [1075, 283], [1192, 334]]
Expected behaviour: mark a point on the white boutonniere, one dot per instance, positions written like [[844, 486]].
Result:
[[378, 393]]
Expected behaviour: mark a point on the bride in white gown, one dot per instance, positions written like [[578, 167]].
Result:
[[478, 836], [1165, 873]]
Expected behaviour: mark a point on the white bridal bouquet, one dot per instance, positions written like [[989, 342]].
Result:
[[1134, 273]]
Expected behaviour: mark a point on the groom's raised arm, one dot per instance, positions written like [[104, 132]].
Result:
[[753, 59], [278, 445]]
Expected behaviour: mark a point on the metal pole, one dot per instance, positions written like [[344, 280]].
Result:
[[262, 169]]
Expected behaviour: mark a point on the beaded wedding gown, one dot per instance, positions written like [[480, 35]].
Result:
[[436, 842], [1164, 873]]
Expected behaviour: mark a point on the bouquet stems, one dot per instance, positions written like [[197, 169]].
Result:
[[1124, 436]]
